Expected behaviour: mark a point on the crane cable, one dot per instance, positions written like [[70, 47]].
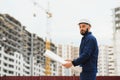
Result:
[[45, 10]]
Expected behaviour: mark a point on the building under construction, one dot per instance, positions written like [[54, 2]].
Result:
[[21, 52]]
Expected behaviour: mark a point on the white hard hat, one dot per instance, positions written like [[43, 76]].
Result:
[[85, 21]]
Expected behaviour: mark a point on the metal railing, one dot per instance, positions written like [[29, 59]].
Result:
[[55, 78]]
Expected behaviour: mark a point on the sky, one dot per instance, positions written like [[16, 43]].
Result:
[[65, 17]]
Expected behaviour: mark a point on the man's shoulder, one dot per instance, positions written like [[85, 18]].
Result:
[[91, 37]]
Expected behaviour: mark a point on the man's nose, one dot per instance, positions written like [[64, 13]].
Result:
[[81, 28]]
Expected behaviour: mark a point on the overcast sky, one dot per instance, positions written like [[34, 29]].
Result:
[[65, 16]]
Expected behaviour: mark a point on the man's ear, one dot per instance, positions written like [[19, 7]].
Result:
[[88, 28]]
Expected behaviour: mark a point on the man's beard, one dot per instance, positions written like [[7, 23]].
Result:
[[85, 32]]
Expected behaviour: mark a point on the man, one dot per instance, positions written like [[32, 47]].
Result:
[[88, 53]]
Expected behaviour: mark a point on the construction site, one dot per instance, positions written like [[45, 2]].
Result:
[[22, 51]]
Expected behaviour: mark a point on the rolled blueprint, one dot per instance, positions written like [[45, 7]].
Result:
[[54, 57], [57, 58]]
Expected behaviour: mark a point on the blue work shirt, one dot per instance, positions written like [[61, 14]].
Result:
[[88, 53]]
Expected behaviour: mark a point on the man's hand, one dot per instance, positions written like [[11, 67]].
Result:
[[68, 64]]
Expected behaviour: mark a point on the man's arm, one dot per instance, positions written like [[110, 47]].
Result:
[[86, 53]]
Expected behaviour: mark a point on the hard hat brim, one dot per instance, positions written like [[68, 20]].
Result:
[[84, 23]]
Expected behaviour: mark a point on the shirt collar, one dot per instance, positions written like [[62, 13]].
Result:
[[87, 34]]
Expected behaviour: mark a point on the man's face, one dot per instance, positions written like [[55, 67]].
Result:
[[84, 28]]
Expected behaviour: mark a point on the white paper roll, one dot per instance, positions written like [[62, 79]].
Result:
[[54, 57]]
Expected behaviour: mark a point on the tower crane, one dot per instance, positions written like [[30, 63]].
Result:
[[47, 46]]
